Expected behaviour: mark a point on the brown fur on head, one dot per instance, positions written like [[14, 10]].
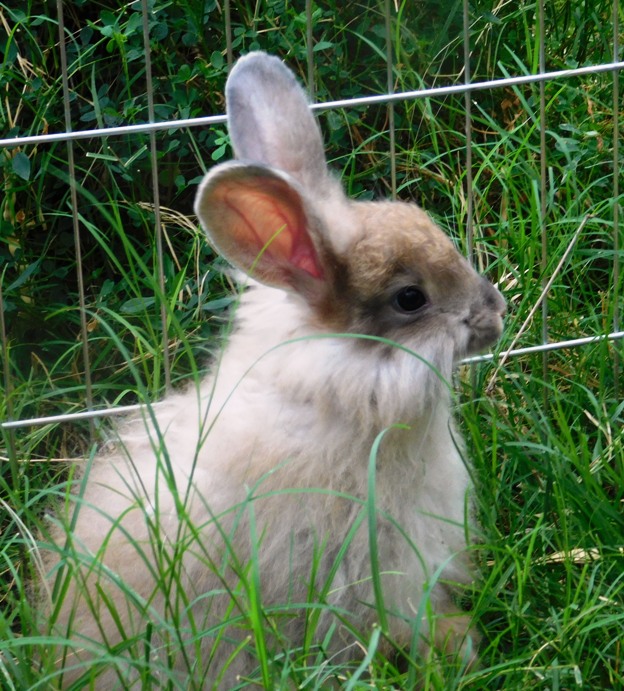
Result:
[[349, 261]]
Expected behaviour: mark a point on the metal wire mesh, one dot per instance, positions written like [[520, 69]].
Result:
[[390, 99]]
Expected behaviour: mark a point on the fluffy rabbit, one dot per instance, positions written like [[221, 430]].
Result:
[[331, 392]]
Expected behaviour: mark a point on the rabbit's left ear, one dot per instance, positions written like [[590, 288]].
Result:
[[259, 220]]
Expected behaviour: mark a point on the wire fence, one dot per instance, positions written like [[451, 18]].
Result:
[[389, 100]]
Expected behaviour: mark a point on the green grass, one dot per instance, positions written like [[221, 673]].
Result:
[[547, 446]]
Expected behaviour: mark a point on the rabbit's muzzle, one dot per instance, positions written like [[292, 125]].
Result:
[[485, 319]]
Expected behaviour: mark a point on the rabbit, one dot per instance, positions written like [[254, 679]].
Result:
[[330, 397]]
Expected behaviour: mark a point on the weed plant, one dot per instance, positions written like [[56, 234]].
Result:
[[545, 434]]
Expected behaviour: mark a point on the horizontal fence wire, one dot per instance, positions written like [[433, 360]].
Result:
[[486, 357], [371, 100], [388, 99]]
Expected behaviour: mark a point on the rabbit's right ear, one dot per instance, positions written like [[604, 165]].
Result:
[[270, 121], [260, 220]]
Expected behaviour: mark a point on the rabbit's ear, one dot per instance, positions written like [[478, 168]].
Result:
[[270, 121], [259, 220]]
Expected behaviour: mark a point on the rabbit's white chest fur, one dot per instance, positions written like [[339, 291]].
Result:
[[289, 415]]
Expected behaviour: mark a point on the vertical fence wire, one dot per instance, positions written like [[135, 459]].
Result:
[[390, 88], [543, 208], [310, 50], [8, 434], [617, 232], [227, 18], [75, 220], [158, 229], [468, 131], [468, 184]]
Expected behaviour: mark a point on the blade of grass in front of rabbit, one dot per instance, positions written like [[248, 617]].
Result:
[[372, 529], [265, 247]]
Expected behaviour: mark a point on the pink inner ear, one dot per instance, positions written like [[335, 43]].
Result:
[[272, 225]]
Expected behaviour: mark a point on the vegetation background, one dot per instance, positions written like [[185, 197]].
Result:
[[546, 438]]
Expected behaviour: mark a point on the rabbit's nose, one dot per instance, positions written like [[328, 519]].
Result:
[[493, 298]]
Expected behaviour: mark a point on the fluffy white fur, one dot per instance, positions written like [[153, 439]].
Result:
[[270, 455]]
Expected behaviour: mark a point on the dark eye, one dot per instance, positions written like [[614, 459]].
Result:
[[409, 299]]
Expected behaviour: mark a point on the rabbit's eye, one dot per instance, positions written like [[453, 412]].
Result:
[[409, 299]]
